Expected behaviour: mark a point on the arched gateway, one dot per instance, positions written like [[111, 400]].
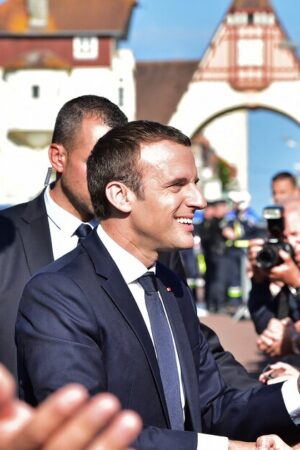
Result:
[[248, 64]]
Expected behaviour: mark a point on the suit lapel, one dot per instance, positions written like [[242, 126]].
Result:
[[35, 234], [116, 288], [187, 365]]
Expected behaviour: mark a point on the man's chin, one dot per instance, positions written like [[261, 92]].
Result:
[[177, 246], [186, 243]]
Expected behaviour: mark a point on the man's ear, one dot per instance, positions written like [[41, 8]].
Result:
[[57, 157], [119, 196]]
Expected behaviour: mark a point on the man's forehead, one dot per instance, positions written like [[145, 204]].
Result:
[[283, 184], [162, 149]]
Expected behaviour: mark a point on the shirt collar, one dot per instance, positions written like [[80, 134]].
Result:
[[61, 218], [130, 267]]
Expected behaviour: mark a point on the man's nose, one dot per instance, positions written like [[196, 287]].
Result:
[[196, 198]]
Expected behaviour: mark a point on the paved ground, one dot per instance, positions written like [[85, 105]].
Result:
[[239, 338]]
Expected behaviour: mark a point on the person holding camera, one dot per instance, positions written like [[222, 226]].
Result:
[[274, 300]]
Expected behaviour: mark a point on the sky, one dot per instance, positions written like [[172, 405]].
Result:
[[177, 29]]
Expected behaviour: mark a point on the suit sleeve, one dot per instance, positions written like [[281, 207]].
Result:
[[57, 339], [233, 373], [228, 411]]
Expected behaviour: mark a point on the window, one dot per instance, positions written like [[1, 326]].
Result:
[[250, 52], [85, 48], [35, 91]]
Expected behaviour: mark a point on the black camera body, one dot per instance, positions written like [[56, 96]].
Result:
[[269, 257]]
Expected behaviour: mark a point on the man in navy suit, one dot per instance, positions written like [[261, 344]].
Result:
[[86, 317]]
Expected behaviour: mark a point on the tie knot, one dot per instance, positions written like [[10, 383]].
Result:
[[83, 230], [148, 282]]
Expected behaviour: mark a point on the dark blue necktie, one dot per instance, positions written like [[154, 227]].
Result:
[[82, 231], [165, 351]]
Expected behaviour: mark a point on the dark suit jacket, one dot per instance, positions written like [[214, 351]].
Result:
[[25, 247], [78, 322]]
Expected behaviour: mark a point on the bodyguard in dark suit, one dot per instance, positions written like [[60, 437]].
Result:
[[27, 243], [34, 233], [92, 318]]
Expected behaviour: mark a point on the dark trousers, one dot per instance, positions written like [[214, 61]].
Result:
[[216, 281]]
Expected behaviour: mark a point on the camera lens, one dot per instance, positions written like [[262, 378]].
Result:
[[268, 257]]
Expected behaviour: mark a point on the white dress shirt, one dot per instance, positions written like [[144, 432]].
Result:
[[62, 226]]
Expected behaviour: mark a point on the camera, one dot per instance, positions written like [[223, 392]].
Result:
[[269, 257]]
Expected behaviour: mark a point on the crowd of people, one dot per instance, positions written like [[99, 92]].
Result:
[[274, 296], [224, 230], [96, 315], [223, 233]]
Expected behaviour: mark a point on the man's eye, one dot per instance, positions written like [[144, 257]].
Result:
[[176, 187]]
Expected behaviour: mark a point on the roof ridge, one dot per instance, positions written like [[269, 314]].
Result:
[[251, 4]]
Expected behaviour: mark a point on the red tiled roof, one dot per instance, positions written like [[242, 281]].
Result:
[[251, 4], [160, 85], [67, 16]]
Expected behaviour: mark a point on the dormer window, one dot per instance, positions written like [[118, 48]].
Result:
[[85, 48], [264, 19], [38, 13], [237, 19]]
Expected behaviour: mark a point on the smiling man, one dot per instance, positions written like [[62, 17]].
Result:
[[110, 316]]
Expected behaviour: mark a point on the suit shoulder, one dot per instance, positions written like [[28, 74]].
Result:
[[64, 264], [14, 212], [8, 226]]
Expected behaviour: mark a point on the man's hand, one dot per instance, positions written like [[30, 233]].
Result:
[[271, 442], [278, 372], [238, 445], [255, 246], [276, 339], [268, 442], [228, 233], [67, 419], [287, 272]]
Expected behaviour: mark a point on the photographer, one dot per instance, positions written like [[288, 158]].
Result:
[[274, 300]]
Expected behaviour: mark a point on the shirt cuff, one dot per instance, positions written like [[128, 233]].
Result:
[[211, 442], [291, 398]]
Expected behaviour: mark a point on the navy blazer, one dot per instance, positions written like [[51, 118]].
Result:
[[25, 247], [78, 322]]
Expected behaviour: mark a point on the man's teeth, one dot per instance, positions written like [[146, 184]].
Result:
[[186, 221]]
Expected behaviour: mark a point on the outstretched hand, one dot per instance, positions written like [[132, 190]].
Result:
[[67, 419], [271, 442], [278, 372]]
